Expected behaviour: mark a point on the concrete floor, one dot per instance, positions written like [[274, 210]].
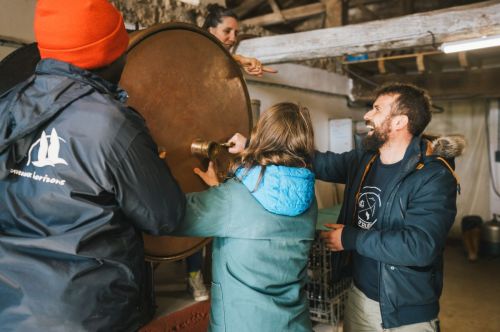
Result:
[[470, 301], [471, 294], [171, 288]]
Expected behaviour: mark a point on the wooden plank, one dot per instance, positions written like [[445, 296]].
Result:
[[456, 84], [449, 24], [276, 9], [462, 59], [291, 14], [393, 57], [336, 13], [367, 13], [274, 6], [247, 6], [420, 63], [381, 66]]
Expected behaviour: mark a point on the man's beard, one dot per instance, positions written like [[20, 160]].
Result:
[[375, 140]]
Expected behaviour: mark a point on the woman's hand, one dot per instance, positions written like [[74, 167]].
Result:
[[210, 176], [239, 142], [252, 66]]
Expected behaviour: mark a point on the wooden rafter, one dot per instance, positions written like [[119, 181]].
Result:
[[276, 9], [291, 14], [420, 63], [463, 60], [336, 13], [466, 84], [247, 6], [274, 6], [367, 12], [415, 30]]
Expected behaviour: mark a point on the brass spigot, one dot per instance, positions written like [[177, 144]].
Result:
[[207, 149]]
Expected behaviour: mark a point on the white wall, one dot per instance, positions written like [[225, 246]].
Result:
[[16, 20], [16, 23], [493, 124], [467, 117]]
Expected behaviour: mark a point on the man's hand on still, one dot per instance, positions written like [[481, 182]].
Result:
[[239, 142], [333, 238], [210, 176]]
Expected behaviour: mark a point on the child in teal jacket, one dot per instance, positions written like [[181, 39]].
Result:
[[263, 223]]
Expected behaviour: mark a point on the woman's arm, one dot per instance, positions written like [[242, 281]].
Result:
[[252, 66]]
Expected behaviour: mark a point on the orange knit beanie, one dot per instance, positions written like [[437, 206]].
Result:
[[86, 33]]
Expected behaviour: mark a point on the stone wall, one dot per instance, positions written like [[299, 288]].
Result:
[[149, 12], [146, 13]]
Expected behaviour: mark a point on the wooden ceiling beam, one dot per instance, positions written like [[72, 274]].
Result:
[[291, 14], [367, 12], [336, 13], [457, 84], [420, 63], [422, 29], [247, 6], [274, 6], [356, 3], [462, 60]]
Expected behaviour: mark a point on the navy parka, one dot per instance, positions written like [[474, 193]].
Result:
[[80, 181], [419, 211]]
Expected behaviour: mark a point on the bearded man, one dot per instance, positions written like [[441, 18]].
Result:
[[400, 202]]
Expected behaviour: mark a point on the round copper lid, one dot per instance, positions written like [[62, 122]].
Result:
[[187, 87]]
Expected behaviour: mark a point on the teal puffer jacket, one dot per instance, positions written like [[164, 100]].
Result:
[[259, 258]]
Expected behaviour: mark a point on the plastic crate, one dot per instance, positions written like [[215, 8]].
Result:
[[326, 298]]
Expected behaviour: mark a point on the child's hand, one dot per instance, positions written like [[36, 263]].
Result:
[[239, 142], [210, 176]]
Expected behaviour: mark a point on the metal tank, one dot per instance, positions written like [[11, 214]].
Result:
[[193, 96]]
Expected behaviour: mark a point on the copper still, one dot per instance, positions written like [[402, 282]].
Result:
[[194, 98]]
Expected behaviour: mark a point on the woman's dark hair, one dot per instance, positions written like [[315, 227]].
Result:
[[215, 15]]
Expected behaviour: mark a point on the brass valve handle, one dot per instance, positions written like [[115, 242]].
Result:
[[208, 149]]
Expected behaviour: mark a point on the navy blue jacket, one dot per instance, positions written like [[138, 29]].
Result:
[[80, 181], [419, 211]]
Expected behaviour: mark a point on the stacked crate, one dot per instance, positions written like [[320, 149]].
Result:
[[326, 298]]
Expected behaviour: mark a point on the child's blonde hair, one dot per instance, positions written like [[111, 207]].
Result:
[[283, 136]]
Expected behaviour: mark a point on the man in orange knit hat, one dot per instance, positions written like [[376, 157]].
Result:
[[80, 180]]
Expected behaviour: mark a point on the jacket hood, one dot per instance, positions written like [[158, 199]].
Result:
[[26, 108], [283, 190], [447, 147]]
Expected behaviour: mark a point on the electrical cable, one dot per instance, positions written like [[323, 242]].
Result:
[[488, 145]]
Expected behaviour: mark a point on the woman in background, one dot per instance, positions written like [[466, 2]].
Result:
[[263, 223], [223, 24]]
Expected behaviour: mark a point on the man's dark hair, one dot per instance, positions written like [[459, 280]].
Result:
[[413, 102], [215, 15]]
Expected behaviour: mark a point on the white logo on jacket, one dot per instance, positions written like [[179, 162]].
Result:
[[48, 150], [368, 205]]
